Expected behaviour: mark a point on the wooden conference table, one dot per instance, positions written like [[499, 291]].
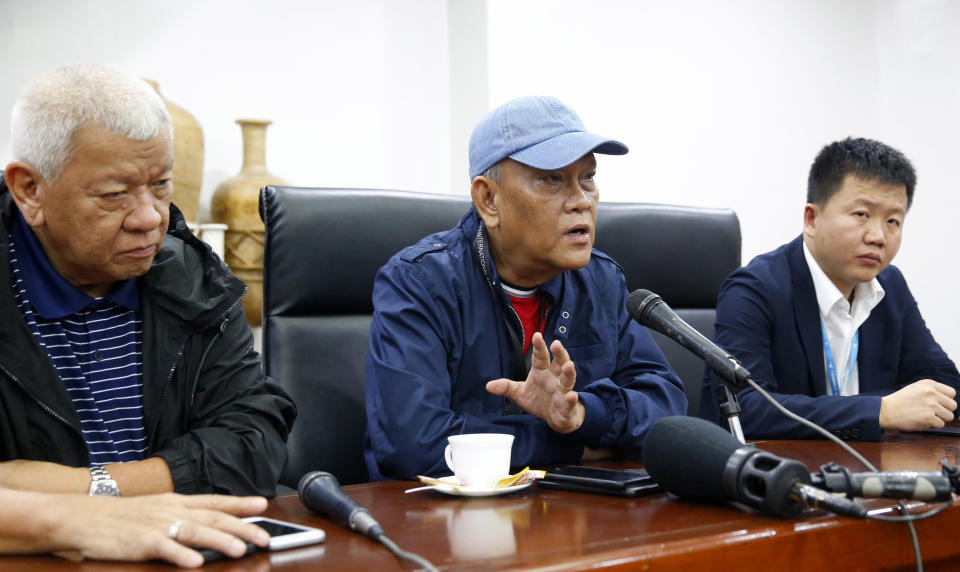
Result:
[[537, 529]]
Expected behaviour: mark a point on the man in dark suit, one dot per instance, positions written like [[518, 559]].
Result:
[[825, 324]]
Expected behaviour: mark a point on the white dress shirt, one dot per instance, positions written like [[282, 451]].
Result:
[[841, 320]]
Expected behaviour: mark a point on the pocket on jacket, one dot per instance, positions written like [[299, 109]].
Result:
[[586, 352]]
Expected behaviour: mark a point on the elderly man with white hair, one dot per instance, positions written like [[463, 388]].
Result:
[[126, 365]]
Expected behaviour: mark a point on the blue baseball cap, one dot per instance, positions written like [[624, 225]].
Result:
[[538, 131]]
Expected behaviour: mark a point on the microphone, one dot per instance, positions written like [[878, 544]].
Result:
[[697, 460], [917, 485], [651, 311], [320, 492]]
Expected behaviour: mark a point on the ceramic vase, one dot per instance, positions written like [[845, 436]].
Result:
[[187, 157], [236, 204]]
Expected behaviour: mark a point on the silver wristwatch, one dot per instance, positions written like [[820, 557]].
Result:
[[101, 483]]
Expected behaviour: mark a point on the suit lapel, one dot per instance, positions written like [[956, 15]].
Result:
[[869, 358], [807, 316]]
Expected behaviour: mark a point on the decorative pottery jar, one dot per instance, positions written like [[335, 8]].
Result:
[[236, 204]]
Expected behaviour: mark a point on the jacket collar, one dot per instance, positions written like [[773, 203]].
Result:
[[475, 231]]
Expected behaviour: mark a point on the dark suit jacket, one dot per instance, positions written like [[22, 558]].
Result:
[[767, 316]]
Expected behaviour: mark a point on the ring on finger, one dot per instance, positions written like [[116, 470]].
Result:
[[562, 388], [174, 529]]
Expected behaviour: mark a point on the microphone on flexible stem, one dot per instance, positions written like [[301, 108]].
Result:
[[916, 485], [320, 492], [714, 467], [651, 311]]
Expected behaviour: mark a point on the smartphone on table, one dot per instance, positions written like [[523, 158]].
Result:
[[597, 480], [283, 535]]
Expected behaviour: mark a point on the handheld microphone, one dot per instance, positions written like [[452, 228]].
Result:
[[320, 492], [651, 311], [917, 485], [697, 460]]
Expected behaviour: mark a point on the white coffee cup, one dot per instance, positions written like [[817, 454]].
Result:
[[479, 460]]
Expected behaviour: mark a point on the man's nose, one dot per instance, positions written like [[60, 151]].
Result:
[[145, 215], [580, 199], [874, 233]]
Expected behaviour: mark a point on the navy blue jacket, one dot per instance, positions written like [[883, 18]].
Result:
[[767, 316], [439, 334]]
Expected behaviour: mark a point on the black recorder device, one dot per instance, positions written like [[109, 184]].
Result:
[[595, 480]]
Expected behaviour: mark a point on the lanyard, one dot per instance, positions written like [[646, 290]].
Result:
[[831, 366]]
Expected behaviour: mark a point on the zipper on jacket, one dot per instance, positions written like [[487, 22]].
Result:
[[223, 326], [523, 334], [224, 319], [163, 396], [36, 400], [203, 358]]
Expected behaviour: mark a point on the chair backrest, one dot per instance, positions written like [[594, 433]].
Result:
[[681, 253], [323, 248]]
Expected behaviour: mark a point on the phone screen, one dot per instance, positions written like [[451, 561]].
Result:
[[287, 534], [275, 528]]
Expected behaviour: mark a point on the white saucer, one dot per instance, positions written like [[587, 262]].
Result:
[[468, 492]]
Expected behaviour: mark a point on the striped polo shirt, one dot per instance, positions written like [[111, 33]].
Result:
[[94, 344]]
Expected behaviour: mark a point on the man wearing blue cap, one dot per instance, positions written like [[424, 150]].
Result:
[[510, 322]]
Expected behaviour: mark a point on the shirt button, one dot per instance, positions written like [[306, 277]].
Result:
[[97, 355], [562, 329], [565, 314]]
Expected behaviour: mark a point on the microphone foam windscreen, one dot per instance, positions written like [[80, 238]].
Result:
[[687, 455]]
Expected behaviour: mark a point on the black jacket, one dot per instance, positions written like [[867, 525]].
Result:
[[209, 410]]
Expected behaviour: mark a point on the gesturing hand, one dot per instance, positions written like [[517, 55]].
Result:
[[548, 391]]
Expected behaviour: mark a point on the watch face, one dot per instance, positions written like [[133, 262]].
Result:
[[105, 489]]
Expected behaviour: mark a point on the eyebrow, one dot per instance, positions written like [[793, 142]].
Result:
[[124, 176], [873, 204]]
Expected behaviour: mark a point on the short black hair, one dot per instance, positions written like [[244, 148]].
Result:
[[864, 158]]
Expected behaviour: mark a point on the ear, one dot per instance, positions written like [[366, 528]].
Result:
[[484, 190], [810, 213], [24, 181]]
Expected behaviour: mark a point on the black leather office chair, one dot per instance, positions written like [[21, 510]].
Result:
[[324, 246], [681, 253]]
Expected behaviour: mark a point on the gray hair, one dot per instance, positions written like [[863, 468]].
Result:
[[493, 172], [55, 106]]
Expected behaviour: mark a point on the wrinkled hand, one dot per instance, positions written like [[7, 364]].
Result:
[[108, 528], [548, 392], [923, 404]]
